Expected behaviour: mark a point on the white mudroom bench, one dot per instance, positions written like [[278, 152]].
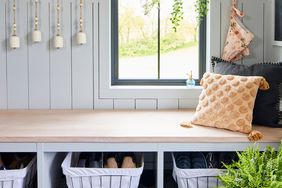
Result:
[[51, 133]]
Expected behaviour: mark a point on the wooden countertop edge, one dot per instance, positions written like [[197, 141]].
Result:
[[67, 126], [128, 140]]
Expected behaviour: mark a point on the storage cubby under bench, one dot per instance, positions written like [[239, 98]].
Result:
[[51, 133]]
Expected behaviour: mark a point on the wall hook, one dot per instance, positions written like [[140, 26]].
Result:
[[36, 34], [81, 35], [14, 39], [59, 40]]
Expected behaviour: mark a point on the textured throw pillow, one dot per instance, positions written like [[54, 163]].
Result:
[[227, 102], [266, 110]]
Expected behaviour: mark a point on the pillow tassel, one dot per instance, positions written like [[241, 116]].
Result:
[[263, 84], [255, 136], [186, 124]]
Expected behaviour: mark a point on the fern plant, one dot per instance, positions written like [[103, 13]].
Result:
[[176, 14], [201, 8], [255, 169]]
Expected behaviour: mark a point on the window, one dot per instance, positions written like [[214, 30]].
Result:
[[147, 51]]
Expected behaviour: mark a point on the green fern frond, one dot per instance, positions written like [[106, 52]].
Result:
[[255, 169]]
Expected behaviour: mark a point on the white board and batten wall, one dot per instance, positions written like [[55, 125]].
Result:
[[37, 76]]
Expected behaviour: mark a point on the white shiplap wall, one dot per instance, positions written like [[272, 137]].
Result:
[[274, 52], [3, 59], [37, 76]]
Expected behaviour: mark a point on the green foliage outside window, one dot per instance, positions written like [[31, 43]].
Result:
[[148, 46], [201, 8], [177, 13]]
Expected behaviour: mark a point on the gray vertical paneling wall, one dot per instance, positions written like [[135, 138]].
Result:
[[38, 53], [17, 60], [3, 55], [37, 76], [257, 52], [61, 59], [82, 60]]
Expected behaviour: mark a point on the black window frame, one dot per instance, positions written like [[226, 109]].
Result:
[[150, 82]]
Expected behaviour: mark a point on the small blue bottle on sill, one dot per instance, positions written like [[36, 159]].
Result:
[[190, 82]]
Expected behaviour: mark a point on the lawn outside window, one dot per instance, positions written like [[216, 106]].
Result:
[[147, 51]]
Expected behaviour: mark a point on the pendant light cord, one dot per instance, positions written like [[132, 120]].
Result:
[[58, 18], [14, 33], [81, 19], [36, 19]]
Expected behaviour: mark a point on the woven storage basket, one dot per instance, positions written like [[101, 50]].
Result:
[[21, 178], [196, 178], [100, 177]]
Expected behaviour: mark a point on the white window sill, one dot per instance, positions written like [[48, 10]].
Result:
[[141, 92], [158, 87]]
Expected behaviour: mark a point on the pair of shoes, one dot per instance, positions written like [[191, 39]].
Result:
[[90, 160], [111, 163], [128, 162], [15, 161], [110, 160], [2, 165], [217, 159], [82, 160], [226, 158], [182, 160], [125, 159], [188, 160], [95, 160]]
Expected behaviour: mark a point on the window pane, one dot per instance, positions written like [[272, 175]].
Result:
[[138, 41], [179, 50]]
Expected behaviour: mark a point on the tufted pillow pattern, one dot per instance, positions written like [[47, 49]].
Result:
[[267, 110], [227, 101]]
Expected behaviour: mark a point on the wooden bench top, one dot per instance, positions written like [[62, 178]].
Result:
[[40, 126]]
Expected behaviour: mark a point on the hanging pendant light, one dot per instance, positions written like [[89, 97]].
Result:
[[14, 39], [81, 35], [59, 40], [36, 34]]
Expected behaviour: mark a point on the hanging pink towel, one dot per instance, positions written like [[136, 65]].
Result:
[[238, 37]]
